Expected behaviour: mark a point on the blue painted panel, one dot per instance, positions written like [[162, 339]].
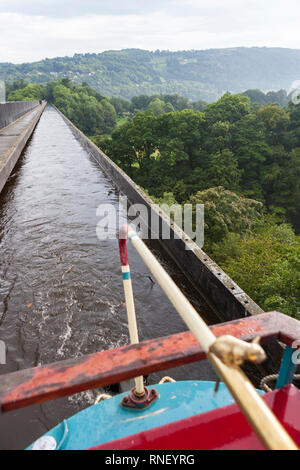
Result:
[[287, 368], [108, 421]]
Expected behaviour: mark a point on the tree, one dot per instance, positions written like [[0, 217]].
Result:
[[218, 137], [121, 106], [109, 115], [265, 263], [169, 108], [226, 212], [86, 108], [28, 93], [64, 100], [229, 108], [294, 127], [256, 96], [276, 122], [262, 99], [156, 106], [250, 146], [180, 138], [134, 143], [199, 105], [141, 102], [223, 171], [282, 183], [15, 85]]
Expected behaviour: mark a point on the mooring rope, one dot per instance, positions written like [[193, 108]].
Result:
[[264, 383]]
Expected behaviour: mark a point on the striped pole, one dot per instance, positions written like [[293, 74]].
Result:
[[129, 300], [260, 417]]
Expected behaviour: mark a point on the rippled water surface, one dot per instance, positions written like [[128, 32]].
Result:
[[60, 287]]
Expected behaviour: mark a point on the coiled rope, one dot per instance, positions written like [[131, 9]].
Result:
[[264, 384]]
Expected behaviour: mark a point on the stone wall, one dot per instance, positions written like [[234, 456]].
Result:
[[11, 111]]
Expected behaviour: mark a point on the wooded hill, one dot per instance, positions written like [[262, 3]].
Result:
[[205, 74]]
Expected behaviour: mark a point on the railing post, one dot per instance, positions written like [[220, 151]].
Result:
[[287, 368]]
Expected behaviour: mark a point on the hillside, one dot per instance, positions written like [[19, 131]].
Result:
[[196, 75]]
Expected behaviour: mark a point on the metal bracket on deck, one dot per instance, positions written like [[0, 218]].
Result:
[[133, 400]]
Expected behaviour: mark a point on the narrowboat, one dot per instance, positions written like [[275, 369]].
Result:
[[229, 414]]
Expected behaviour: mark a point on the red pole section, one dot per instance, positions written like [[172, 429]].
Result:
[[123, 245]]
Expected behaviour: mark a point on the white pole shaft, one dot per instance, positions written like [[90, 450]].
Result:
[[132, 324]]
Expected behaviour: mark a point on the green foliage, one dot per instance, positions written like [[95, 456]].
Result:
[[121, 106], [85, 107], [16, 85], [257, 96], [226, 212], [252, 150], [276, 121], [157, 106], [167, 198], [229, 108], [294, 128], [28, 93], [109, 115], [265, 263], [281, 183], [223, 170], [231, 144]]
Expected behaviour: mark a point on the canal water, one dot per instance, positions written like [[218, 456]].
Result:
[[61, 293]]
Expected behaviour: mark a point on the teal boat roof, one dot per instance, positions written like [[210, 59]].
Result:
[[108, 420]]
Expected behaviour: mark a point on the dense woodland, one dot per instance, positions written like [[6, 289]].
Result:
[[197, 75], [239, 156]]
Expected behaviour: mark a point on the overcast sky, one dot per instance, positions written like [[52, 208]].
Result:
[[34, 29]]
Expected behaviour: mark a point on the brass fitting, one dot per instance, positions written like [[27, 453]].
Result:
[[234, 352]]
